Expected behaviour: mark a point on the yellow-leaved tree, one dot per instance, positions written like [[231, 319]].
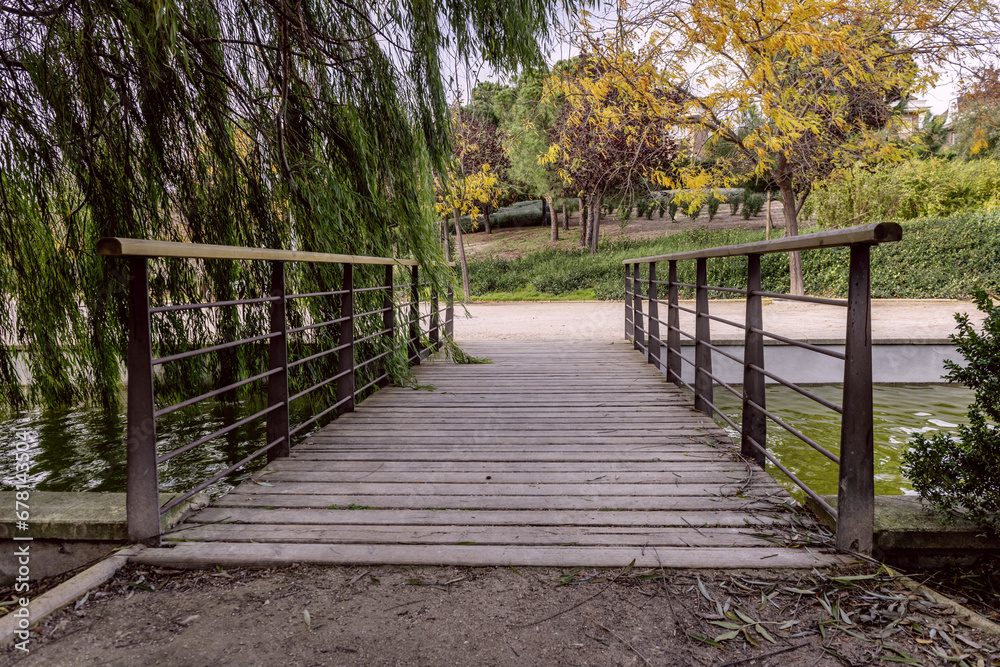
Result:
[[472, 181], [822, 79]]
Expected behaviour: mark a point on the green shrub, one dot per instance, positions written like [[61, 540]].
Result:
[[734, 200], [915, 189], [663, 208], [641, 207], [694, 211], [672, 210], [713, 206], [937, 258], [753, 202], [958, 475]]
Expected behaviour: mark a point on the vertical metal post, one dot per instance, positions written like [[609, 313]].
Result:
[[703, 396], [413, 349], [449, 314], [673, 326], [142, 496], [653, 355], [434, 328], [629, 326], [345, 358], [754, 421], [856, 492], [639, 339], [277, 384], [388, 324]]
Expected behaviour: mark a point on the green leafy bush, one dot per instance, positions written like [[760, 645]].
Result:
[[713, 206], [734, 200], [937, 258], [915, 189], [753, 202], [694, 211], [959, 475], [672, 210]]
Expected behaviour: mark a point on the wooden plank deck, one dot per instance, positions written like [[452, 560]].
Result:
[[556, 454]]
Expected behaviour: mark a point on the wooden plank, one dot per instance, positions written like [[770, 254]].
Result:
[[499, 535], [123, 247], [880, 232], [224, 554], [484, 489], [423, 517], [608, 503], [332, 463], [511, 456], [310, 474]]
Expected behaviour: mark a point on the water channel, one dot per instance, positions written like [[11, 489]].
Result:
[[83, 449]]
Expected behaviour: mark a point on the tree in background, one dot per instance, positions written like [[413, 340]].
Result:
[[976, 120], [473, 179], [825, 75], [525, 117], [312, 125], [605, 140]]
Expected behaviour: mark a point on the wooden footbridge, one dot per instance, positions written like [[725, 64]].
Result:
[[553, 454]]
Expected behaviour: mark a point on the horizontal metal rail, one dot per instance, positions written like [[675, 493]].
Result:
[[214, 348], [211, 304], [799, 343], [855, 507], [881, 232]]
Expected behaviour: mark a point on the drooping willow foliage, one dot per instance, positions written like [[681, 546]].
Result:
[[311, 125]]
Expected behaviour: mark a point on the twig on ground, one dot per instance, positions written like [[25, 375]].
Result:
[[619, 638]]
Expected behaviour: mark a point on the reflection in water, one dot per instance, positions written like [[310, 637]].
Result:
[[900, 412], [83, 448]]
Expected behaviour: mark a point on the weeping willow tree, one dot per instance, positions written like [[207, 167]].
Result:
[[307, 125]]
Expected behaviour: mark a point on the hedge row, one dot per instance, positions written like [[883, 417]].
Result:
[[937, 258]]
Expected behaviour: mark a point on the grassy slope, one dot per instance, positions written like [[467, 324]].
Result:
[[938, 258]]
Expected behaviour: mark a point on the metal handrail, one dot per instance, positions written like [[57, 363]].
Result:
[[401, 330], [856, 499]]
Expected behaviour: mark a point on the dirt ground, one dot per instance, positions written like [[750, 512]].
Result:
[[306, 615], [511, 243]]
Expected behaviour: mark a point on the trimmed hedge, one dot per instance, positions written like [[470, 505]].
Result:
[[937, 258], [521, 214]]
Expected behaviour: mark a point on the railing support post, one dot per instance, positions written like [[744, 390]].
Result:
[[673, 326], [654, 347], [388, 324], [449, 314], [413, 350], [856, 492], [345, 358], [142, 497], [434, 329], [703, 397], [629, 314], [277, 384], [639, 339], [754, 421]]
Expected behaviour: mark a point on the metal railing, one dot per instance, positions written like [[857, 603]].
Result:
[[856, 491], [395, 317]]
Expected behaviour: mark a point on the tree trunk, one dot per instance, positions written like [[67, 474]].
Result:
[[461, 257], [584, 219], [767, 226], [446, 238], [595, 224], [486, 217], [565, 216], [555, 221], [796, 283]]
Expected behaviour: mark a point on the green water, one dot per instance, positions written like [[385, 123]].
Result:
[[900, 412], [83, 449]]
